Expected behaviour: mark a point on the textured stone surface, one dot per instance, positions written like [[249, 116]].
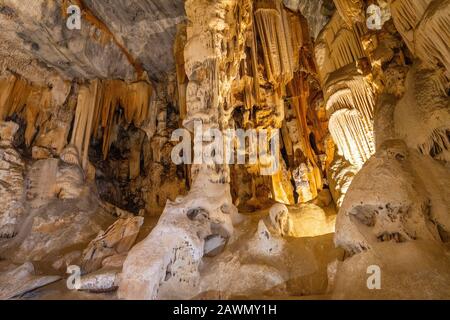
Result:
[[316, 12], [12, 169], [152, 20], [18, 280], [117, 239], [34, 36]]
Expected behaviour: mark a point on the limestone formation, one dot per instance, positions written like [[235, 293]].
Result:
[[226, 149], [117, 239], [175, 261], [12, 172]]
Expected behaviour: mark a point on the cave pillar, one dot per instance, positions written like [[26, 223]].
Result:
[[170, 256]]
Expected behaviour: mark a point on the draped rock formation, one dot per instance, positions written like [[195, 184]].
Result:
[[227, 149], [395, 202]]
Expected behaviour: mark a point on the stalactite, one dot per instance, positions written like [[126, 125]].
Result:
[[28, 101], [350, 10], [299, 90], [82, 128], [432, 36], [282, 188], [275, 35], [438, 145], [424, 26], [102, 105], [36, 114], [354, 141], [350, 101], [407, 15]]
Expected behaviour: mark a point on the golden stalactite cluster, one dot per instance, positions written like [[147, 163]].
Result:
[[102, 105], [350, 10], [349, 93], [279, 59], [300, 98], [274, 30], [30, 102], [337, 46]]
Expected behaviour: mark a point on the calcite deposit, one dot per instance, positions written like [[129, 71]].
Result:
[[227, 149]]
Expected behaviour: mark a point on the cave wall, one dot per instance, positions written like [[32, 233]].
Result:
[[87, 118]]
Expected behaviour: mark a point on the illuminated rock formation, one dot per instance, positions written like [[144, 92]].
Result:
[[396, 203], [349, 95], [97, 112], [424, 26], [336, 114], [422, 116], [149, 273]]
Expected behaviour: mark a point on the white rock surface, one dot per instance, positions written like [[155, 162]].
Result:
[[180, 236], [100, 281]]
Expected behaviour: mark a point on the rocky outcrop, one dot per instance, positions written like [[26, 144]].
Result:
[[117, 239], [396, 203], [175, 261], [198, 215], [18, 280], [12, 170], [413, 207], [59, 212]]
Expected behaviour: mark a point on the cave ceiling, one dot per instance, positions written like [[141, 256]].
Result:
[[35, 42]]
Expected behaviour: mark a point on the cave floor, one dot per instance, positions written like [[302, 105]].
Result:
[[305, 261]]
